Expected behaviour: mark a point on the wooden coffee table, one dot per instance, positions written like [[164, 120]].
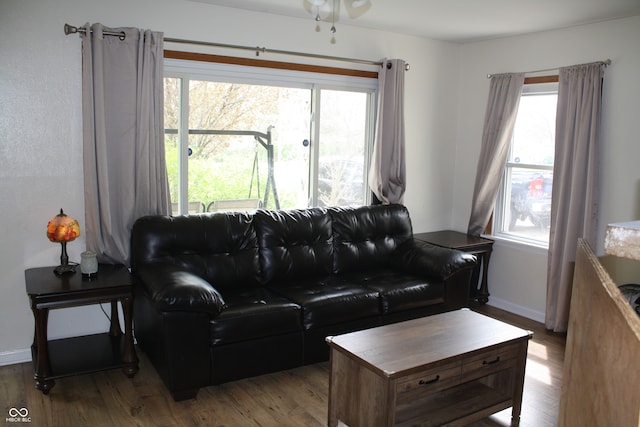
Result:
[[452, 368]]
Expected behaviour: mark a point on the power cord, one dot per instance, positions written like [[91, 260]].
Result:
[[105, 313]]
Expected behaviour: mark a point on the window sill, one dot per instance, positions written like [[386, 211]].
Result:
[[514, 243]]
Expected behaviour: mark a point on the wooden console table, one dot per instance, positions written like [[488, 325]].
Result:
[[448, 369], [78, 355], [478, 246]]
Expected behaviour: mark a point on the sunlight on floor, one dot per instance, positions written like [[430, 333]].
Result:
[[538, 350], [538, 371], [537, 363]]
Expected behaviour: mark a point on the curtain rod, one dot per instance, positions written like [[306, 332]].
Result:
[[606, 63], [69, 29]]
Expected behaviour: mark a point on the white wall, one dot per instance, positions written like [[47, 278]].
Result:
[[40, 124], [517, 276]]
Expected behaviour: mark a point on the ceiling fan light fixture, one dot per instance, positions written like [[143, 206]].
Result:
[[358, 3], [357, 8], [322, 10]]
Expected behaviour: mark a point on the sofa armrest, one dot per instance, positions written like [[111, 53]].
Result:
[[173, 289], [177, 343], [425, 259]]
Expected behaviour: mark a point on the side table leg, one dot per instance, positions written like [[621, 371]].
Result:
[[40, 352], [129, 357], [114, 329], [483, 293]]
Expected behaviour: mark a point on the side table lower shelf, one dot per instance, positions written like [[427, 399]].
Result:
[[84, 354]]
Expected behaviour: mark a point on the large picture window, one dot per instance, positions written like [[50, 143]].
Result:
[[523, 207], [239, 138]]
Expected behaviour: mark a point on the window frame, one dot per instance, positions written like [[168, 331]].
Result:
[[316, 82], [532, 86]]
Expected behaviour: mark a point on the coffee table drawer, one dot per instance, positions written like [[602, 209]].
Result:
[[489, 362], [428, 381]]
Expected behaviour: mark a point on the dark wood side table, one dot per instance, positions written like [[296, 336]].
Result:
[[90, 353], [478, 246]]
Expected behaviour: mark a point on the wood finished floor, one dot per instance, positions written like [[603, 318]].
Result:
[[295, 398]]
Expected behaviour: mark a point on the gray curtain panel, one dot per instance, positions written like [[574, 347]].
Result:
[[500, 117], [387, 174], [574, 205], [123, 136]]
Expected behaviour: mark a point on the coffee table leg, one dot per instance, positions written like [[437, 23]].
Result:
[[332, 420], [518, 385]]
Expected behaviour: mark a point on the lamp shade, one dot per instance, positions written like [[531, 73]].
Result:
[[62, 228]]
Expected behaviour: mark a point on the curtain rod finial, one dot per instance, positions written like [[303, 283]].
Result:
[[68, 29]]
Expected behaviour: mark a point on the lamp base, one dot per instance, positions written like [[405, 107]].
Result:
[[61, 270]]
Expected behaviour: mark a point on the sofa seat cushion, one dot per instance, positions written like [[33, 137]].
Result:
[[327, 301], [400, 291], [254, 313]]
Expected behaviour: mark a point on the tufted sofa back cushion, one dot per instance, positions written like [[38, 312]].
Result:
[[365, 237], [222, 248], [294, 244]]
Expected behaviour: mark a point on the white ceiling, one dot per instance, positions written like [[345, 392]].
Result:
[[458, 20]]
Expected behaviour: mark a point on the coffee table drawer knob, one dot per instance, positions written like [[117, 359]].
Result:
[[491, 362], [427, 382]]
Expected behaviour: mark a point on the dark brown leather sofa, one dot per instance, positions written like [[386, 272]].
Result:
[[225, 296]]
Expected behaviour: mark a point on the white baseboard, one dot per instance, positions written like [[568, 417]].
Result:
[[15, 356], [517, 309]]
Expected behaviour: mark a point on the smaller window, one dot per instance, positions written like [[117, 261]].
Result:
[[523, 206]]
